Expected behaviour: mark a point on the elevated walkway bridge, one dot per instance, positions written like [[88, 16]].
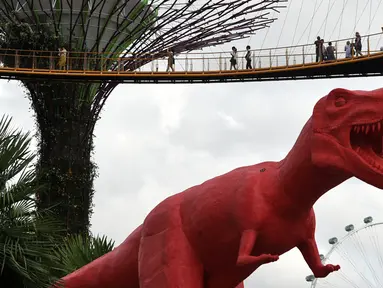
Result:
[[282, 63]]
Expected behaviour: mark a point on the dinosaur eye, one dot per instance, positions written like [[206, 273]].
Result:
[[340, 101]]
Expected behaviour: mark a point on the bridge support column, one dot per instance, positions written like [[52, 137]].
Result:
[[33, 60], [203, 62], [336, 50], [17, 59], [287, 57]]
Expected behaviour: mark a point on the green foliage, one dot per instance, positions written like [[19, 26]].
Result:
[[27, 37], [26, 236], [77, 251], [23, 36], [65, 145]]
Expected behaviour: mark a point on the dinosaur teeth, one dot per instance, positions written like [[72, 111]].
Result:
[[368, 128]]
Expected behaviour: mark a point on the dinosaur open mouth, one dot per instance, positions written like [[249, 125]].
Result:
[[366, 140]]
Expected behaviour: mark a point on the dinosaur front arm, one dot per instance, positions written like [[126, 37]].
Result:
[[246, 245], [309, 250]]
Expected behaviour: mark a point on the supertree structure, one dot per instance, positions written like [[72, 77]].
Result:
[[66, 113]]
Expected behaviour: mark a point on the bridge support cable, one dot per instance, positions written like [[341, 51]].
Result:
[[326, 19], [296, 25], [284, 23], [310, 24], [370, 19], [263, 43], [357, 20], [373, 18], [341, 18]]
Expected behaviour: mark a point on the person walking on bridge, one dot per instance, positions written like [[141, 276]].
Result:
[[62, 58], [234, 58], [358, 44], [248, 58], [171, 60]]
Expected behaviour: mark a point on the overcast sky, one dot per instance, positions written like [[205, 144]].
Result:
[[156, 140]]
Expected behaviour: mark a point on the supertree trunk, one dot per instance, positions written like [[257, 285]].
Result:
[[65, 116]]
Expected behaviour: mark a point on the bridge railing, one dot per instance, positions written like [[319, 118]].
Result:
[[269, 58]]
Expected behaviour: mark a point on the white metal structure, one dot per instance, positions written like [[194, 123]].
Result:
[[360, 256]]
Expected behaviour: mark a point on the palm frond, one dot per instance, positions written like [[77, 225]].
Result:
[[27, 237], [15, 155], [79, 250]]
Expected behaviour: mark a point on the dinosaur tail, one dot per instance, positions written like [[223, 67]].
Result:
[[117, 269]]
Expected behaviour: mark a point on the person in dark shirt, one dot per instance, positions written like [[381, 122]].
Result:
[[248, 58], [319, 49], [358, 44]]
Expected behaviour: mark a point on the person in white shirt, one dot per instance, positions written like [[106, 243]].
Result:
[[347, 48]]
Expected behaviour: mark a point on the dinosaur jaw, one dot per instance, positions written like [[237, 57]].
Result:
[[366, 141]]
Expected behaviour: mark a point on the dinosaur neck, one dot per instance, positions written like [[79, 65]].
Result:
[[302, 182]]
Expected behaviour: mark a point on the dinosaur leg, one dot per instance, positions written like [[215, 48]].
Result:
[[167, 260], [310, 252], [246, 264], [246, 245]]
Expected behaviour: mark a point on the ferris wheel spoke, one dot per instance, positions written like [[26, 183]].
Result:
[[377, 252], [347, 280], [326, 283], [377, 272], [349, 259], [360, 247], [360, 256]]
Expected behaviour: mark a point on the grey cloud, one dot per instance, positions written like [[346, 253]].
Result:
[[141, 162], [157, 140]]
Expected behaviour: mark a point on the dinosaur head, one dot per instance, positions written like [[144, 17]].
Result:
[[348, 134]]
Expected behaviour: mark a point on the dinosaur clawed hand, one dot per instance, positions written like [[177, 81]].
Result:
[[323, 271], [257, 260]]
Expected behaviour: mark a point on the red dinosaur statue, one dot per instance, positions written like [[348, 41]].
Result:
[[214, 235]]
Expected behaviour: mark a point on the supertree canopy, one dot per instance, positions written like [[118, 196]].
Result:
[[66, 113]]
